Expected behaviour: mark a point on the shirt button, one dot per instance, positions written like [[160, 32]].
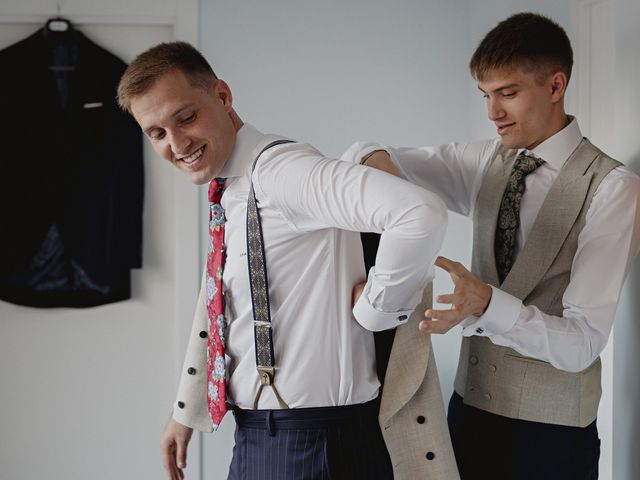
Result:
[[191, 371], [487, 396], [473, 360], [430, 455], [203, 334], [180, 404], [402, 318], [421, 419], [492, 368]]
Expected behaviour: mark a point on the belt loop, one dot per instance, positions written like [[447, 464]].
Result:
[[270, 423]]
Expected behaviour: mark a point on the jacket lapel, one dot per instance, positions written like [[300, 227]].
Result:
[[555, 220], [486, 215]]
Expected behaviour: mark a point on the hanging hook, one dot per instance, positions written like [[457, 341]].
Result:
[[58, 23]]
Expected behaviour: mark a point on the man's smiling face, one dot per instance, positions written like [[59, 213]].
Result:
[[522, 105], [188, 125]]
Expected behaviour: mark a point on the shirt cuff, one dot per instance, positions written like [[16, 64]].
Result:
[[374, 320], [500, 317]]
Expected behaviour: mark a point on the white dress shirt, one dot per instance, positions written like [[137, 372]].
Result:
[[607, 245], [311, 209]]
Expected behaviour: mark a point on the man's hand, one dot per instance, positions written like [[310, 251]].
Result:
[[174, 448], [471, 296], [357, 291], [380, 159]]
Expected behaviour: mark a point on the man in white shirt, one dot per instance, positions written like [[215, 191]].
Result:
[[311, 208], [556, 227]]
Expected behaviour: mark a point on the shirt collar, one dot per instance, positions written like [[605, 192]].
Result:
[[556, 150], [247, 139]]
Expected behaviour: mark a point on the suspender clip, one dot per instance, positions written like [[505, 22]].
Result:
[[266, 378]]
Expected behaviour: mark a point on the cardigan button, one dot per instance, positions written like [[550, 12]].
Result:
[[180, 404], [421, 419], [203, 334], [191, 371], [430, 455]]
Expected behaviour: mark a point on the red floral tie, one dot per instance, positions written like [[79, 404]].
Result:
[[216, 366]]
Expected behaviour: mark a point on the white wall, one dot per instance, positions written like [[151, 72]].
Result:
[[626, 394]]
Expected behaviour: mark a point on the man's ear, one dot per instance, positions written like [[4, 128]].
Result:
[[223, 93], [558, 85]]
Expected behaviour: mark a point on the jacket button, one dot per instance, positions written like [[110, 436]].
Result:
[[402, 318], [473, 360], [421, 419], [191, 371], [180, 404], [492, 368], [430, 455], [203, 334], [487, 396]]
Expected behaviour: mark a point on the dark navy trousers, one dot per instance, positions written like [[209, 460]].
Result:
[[489, 446], [325, 443]]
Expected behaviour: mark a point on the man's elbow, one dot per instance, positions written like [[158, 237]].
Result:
[[432, 214], [583, 358]]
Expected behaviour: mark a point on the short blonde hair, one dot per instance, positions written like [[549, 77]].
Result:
[[157, 61]]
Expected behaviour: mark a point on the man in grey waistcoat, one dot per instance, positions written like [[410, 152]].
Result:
[[552, 214]]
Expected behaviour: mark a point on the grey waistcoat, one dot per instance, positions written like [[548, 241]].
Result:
[[498, 379]]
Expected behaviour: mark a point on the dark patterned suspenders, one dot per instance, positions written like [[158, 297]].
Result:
[[259, 283]]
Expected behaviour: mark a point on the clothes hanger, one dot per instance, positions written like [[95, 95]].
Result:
[[60, 36], [58, 23]]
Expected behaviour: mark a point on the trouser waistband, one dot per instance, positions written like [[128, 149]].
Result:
[[307, 418]]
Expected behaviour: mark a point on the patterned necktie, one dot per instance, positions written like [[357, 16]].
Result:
[[216, 366], [509, 215]]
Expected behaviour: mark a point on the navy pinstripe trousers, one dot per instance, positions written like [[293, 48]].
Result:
[[325, 443]]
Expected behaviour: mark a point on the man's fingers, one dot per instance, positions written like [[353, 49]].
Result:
[[174, 448], [181, 453], [169, 460], [452, 315], [447, 265], [452, 268], [436, 326], [450, 298]]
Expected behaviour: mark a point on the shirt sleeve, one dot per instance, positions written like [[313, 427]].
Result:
[[452, 171], [314, 192], [608, 243]]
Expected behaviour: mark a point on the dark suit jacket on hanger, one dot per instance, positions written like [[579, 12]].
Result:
[[71, 174]]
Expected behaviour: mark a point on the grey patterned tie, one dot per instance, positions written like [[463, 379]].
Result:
[[509, 215]]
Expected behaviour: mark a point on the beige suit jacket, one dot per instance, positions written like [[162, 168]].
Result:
[[411, 390], [412, 414]]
